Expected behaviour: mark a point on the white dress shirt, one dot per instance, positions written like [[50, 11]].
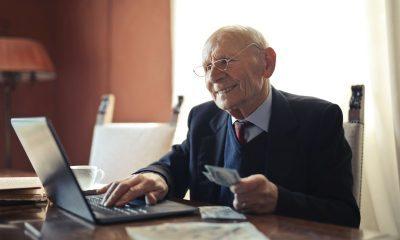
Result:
[[259, 118]]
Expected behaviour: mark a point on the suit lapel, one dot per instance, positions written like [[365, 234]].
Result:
[[282, 142], [212, 146], [211, 150]]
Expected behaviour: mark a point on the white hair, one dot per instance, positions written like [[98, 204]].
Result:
[[246, 34]]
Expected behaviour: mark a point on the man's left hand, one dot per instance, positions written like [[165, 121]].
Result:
[[255, 194]]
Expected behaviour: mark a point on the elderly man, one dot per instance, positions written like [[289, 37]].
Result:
[[290, 150]]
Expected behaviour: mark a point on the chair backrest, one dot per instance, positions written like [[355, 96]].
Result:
[[176, 110], [122, 148], [354, 133], [106, 109]]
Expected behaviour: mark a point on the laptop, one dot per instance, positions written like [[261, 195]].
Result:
[[47, 155]]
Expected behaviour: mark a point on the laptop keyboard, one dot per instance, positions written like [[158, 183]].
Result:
[[95, 203]]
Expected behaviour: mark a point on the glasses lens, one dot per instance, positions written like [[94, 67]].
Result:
[[199, 71], [202, 71], [221, 64]]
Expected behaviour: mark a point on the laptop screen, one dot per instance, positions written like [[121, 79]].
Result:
[[48, 158]]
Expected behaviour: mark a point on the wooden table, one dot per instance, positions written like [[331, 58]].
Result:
[[57, 224]]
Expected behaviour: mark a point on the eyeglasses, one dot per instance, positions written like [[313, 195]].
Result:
[[220, 64]]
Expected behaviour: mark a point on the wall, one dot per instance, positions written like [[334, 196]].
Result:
[[26, 19], [141, 59], [82, 61], [97, 46]]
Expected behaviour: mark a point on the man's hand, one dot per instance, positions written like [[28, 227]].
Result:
[[255, 194], [148, 184]]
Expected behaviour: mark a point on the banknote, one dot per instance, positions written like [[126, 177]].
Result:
[[220, 212], [196, 231], [222, 176], [209, 176]]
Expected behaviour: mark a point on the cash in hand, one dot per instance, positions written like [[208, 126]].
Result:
[[222, 176]]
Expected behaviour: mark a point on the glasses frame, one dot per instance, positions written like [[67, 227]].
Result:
[[206, 69]]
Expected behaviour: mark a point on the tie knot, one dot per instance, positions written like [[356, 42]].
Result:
[[239, 130], [241, 124]]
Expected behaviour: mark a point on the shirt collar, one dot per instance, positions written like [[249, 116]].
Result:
[[262, 115]]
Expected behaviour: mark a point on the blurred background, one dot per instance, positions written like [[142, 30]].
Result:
[[143, 52], [97, 47]]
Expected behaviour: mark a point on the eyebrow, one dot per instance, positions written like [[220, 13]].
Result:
[[216, 59]]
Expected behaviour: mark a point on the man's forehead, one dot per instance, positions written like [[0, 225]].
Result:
[[221, 47]]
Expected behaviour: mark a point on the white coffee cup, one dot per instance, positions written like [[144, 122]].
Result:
[[87, 175]]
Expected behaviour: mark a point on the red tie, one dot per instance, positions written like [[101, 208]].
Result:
[[239, 130]]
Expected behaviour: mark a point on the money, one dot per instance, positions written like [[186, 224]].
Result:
[[209, 176], [222, 176], [220, 212], [196, 231]]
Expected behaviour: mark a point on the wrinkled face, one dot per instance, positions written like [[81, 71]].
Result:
[[242, 81]]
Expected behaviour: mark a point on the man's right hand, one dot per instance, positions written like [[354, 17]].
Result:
[[148, 184]]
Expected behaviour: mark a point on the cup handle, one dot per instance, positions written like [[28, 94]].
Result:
[[100, 175]]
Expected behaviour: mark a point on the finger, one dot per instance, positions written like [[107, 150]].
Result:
[[246, 207], [245, 200], [144, 187], [103, 189], [236, 204], [152, 190], [248, 184], [150, 198], [239, 205], [109, 192], [159, 194], [155, 196], [119, 191], [244, 187], [132, 193], [250, 208], [121, 188], [245, 197]]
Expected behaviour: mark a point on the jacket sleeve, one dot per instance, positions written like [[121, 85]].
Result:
[[330, 198], [174, 167]]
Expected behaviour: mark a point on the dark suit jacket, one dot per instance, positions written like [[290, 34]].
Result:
[[308, 158]]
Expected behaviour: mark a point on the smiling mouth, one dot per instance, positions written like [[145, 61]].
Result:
[[226, 90]]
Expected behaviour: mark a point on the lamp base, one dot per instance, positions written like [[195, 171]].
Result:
[[9, 80]]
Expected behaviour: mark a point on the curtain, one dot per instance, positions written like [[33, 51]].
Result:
[[381, 193]]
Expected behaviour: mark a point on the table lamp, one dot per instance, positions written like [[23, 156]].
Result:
[[21, 60]]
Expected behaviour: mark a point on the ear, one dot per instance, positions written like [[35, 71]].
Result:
[[270, 60]]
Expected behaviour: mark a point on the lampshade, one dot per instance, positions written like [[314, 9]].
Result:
[[21, 60], [26, 57]]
